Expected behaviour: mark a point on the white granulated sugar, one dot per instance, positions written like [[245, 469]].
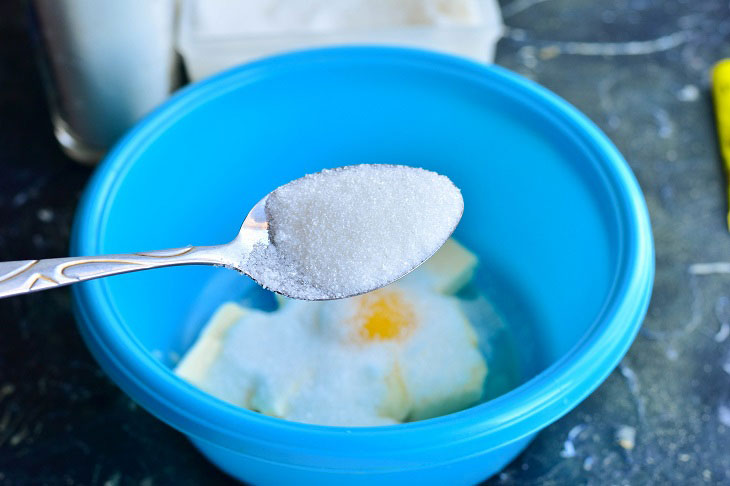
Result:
[[350, 230]]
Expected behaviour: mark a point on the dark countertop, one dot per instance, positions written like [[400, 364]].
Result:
[[638, 68]]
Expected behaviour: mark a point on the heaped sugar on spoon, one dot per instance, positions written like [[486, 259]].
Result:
[[329, 235]]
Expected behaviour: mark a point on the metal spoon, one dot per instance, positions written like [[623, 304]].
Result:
[[26, 276], [251, 253]]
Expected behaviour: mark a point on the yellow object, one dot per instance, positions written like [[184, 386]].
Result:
[[721, 97], [384, 314]]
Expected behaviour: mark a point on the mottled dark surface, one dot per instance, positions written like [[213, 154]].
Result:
[[638, 68]]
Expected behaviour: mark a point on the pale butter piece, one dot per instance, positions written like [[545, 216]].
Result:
[[446, 272], [447, 341], [397, 402], [281, 338], [198, 359]]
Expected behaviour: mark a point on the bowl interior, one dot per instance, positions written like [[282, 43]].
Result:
[[538, 211]]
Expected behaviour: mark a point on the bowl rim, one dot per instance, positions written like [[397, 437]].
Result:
[[518, 414]]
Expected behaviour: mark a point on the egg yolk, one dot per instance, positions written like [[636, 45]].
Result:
[[384, 315]]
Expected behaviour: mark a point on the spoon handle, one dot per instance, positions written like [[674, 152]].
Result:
[[27, 276]]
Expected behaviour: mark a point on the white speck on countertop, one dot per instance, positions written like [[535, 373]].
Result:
[[630, 48], [45, 215], [722, 333], [689, 92], [569, 446], [626, 437], [723, 414], [709, 268]]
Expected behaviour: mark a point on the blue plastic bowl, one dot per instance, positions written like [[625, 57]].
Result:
[[552, 209]]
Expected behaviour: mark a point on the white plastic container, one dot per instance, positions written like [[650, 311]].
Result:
[[207, 51]]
